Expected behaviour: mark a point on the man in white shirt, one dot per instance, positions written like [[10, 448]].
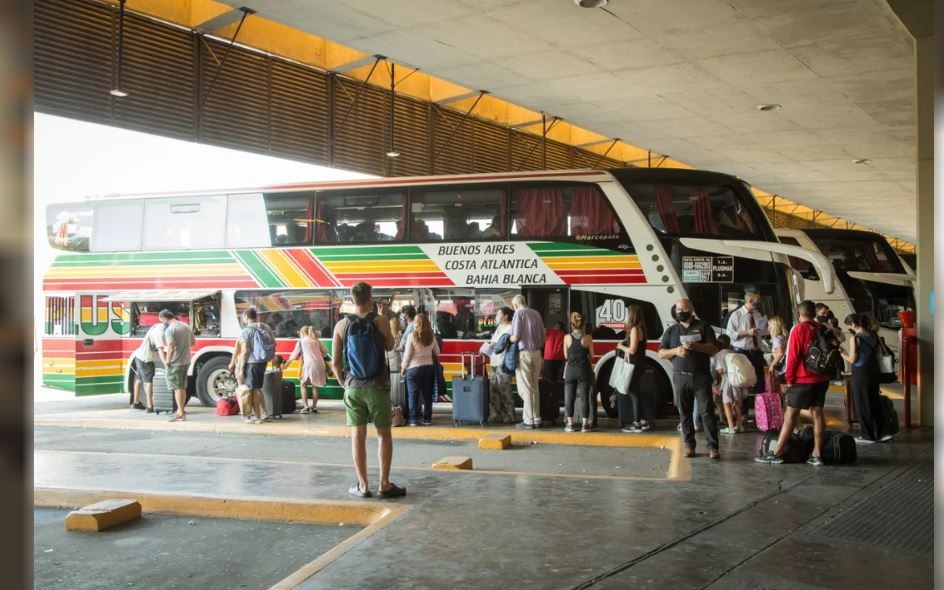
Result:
[[144, 357], [746, 328]]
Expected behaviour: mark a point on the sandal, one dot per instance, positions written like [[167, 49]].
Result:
[[394, 491]]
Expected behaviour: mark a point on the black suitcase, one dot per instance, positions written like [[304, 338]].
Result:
[[470, 398], [551, 394], [163, 397], [624, 406], [890, 415], [288, 397], [838, 447]]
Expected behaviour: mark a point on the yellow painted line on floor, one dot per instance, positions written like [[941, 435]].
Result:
[[373, 516]]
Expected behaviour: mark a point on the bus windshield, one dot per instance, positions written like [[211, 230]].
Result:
[[855, 253]]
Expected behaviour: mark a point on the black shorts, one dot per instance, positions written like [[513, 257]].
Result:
[[255, 373], [807, 395], [144, 371]]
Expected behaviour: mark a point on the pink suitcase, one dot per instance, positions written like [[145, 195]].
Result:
[[768, 411]]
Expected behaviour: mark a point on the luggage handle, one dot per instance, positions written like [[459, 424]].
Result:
[[471, 357]]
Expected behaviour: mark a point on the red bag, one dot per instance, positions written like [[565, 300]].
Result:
[[227, 406]]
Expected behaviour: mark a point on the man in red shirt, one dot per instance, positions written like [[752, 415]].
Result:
[[805, 389]]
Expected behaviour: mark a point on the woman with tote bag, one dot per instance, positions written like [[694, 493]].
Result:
[[634, 349]]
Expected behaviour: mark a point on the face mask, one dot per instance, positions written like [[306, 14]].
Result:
[[683, 316], [852, 331]]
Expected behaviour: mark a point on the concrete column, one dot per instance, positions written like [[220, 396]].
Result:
[[917, 16]]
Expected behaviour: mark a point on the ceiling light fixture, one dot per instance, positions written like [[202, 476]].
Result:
[[865, 161], [769, 107], [393, 154], [591, 3], [117, 90]]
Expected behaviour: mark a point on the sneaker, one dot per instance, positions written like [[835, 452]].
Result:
[[568, 427], [138, 406], [587, 428], [886, 438], [729, 430], [815, 461], [769, 458], [306, 410], [250, 420], [411, 423], [394, 491], [427, 423], [356, 491], [632, 429], [150, 410], [864, 441], [645, 426], [267, 419], [525, 426]]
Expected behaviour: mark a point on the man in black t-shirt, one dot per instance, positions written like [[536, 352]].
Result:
[[689, 344]]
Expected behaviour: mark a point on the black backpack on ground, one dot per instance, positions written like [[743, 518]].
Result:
[[824, 357], [838, 447], [797, 450]]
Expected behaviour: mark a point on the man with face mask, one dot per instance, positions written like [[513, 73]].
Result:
[[746, 327], [689, 344]]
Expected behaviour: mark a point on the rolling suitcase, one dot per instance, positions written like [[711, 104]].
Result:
[[768, 411], [469, 398], [551, 397], [624, 405], [288, 397], [163, 397]]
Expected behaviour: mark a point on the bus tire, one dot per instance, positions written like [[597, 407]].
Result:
[[214, 381]]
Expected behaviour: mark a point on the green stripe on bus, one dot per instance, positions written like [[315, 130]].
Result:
[[364, 250], [59, 382], [99, 389], [562, 249], [259, 270], [184, 257]]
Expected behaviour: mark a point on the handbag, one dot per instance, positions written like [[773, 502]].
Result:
[[622, 375], [886, 363]]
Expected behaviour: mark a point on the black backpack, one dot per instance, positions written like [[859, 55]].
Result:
[[824, 356]]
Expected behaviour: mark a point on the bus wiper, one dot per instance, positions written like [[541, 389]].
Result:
[[755, 248]]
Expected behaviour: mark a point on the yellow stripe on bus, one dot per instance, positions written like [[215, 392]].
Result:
[[594, 261], [64, 364], [123, 271], [378, 266], [285, 268]]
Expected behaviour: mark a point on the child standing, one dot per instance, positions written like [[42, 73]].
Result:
[[313, 372], [732, 396]]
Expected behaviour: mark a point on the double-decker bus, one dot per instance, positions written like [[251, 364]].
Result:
[[460, 246], [870, 277]]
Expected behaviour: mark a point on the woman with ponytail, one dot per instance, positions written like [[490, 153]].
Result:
[[863, 356]]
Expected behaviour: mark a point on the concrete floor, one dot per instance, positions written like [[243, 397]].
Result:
[[733, 524], [162, 551]]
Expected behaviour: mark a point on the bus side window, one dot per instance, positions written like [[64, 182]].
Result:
[[361, 217], [576, 212], [290, 218], [457, 214]]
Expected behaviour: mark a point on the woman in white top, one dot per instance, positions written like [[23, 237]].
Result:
[[313, 372], [501, 397], [419, 370]]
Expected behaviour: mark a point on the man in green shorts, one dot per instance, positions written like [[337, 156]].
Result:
[[176, 359], [359, 360]]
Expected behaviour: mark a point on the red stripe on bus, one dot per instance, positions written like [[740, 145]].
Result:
[[311, 267], [593, 280], [102, 345], [58, 345]]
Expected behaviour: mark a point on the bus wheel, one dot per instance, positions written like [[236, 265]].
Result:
[[214, 381], [606, 392]]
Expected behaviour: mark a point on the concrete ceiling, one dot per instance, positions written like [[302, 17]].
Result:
[[683, 78]]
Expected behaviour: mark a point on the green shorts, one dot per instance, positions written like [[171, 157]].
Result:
[[176, 376], [365, 404]]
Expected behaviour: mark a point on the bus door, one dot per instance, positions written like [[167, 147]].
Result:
[[59, 342], [550, 302]]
